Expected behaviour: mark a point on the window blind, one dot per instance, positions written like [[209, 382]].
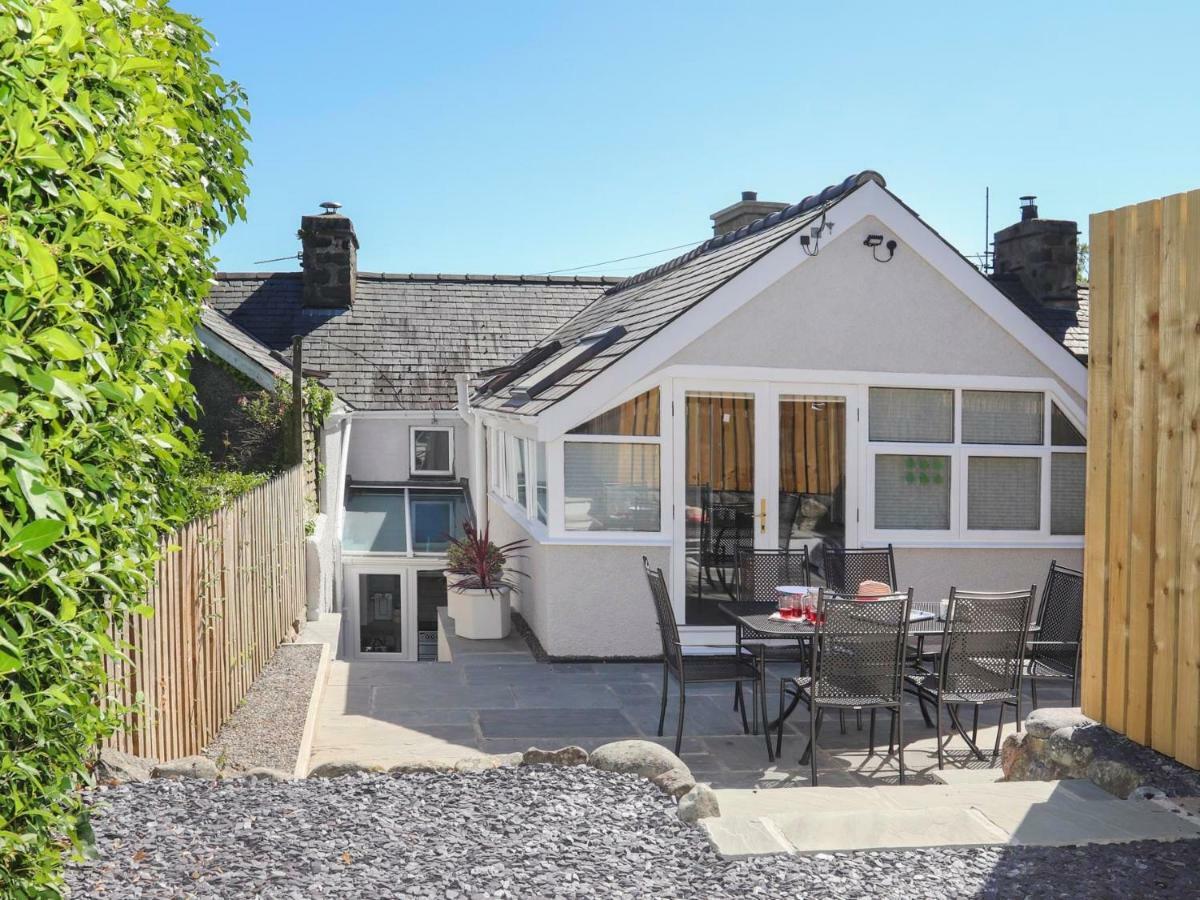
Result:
[[611, 487], [912, 492], [1004, 493], [1002, 417], [1068, 473], [915, 415]]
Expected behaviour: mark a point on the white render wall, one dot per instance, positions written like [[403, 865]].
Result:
[[932, 571], [843, 310], [585, 600], [379, 446]]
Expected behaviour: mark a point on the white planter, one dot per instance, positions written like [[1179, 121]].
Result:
[[481, 615], [453, 597]]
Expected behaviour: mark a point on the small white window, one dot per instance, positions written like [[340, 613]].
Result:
[[612, 486], [912, 492], [431, 450], [911, 415], [1004, 493]]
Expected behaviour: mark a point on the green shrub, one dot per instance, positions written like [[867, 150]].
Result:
[[121, 158]]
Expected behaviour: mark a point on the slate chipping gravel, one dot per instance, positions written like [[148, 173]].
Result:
[[532, 832], [266, 730]]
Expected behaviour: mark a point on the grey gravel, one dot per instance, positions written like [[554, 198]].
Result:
[[535, 831], [266, 730]]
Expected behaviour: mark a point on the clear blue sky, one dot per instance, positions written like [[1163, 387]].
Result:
[[528, 137]]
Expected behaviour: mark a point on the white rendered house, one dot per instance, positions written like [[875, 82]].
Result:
[[830, 372]]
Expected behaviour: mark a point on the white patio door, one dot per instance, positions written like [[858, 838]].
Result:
[[758, 464]]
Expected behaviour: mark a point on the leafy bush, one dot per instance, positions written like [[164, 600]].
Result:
[[121, 158]]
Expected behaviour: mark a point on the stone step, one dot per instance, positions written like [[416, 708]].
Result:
[[1041, 813]]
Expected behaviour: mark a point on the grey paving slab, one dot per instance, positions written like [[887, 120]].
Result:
[[484, 696], [561, 723], [556, 696], [702, 716], [738, 838], [887, 829], [507, 673], [417, 718]]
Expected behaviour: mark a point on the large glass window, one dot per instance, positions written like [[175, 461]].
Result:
[[432, 450], [380, 614], [376, 521], [912, 492], [911, 415], [520, 487], [611, 487]]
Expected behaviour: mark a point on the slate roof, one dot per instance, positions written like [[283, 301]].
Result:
[[649, 301], [406, 336], [1066, 324], [243, 342]]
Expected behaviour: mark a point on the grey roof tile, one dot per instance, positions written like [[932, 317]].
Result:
[[406, 336]]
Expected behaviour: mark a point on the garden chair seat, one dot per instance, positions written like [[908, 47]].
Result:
[[849, 701]]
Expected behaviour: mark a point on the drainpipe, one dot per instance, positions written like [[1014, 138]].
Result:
[[478, 451], [339, 508]]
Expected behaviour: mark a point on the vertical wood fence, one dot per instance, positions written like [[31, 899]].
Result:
[[1141, 650], [224, 599]]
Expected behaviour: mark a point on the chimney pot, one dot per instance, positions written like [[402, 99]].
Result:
[[1029, 208], [330, 258], [749, 195]]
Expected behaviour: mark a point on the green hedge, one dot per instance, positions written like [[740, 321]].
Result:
[[121, 161]]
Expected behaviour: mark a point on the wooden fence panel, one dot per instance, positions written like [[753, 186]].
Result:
[[226, 592], [1141, 651]]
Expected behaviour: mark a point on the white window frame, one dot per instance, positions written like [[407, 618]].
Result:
[[960, 455], [412, 450], [556, 486]]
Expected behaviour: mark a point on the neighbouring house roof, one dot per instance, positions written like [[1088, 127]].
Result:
[[406, 336], [241, 349], [1067, 324], [646, 303]]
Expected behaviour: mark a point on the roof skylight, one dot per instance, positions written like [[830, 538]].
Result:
[[587, 347]]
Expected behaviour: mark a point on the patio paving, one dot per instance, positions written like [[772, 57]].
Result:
[[496, 698]]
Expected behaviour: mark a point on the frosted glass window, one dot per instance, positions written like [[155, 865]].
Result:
[[611, 487], [912, 492], [1067, 480], [375, 521], [1003, 417], [912, 415], [1004, 493]]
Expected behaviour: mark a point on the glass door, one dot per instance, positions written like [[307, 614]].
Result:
[[809, 499], [764, 466], [382, 616]]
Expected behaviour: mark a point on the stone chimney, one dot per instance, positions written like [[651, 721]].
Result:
[[330, 259], [1041, 253], [745, 211]]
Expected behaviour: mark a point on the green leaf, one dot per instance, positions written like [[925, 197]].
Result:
[[60, 344], [9, 662], [35, 537]]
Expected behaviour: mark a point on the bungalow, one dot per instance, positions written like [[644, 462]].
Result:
[[830, 372]]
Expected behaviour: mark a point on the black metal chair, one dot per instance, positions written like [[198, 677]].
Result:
[[1053, 652], [736, 666], [981, 661], [858, 663], [726, 526], [757, 574], [844, 569]]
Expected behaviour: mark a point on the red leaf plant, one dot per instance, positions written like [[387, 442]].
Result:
[[482, 564]]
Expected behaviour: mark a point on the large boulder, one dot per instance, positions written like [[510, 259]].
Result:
[[1114, 776], [186, 767], [564, 756], [644, 758], [263, 773], [699, 803], [677, 781], [118, 766], [1045, 721]]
